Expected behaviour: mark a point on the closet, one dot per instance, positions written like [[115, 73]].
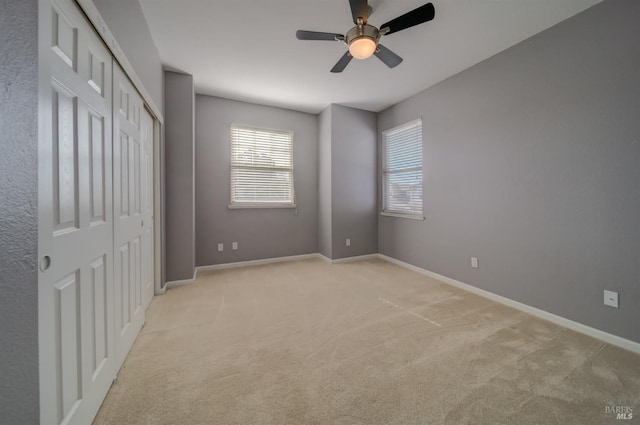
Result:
[[96, 203]]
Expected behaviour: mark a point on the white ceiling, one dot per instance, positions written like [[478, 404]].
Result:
[[247, 49]]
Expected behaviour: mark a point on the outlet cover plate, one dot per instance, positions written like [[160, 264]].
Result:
[[611, 298]]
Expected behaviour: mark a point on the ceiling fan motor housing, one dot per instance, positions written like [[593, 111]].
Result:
[[362, 31]]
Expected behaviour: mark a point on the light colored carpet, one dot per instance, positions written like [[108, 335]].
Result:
[[307, 342]]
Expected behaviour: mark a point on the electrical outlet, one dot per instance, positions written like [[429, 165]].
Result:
[[234, 245], [220, 247], [348, 242], [611, 298], [474, 262]]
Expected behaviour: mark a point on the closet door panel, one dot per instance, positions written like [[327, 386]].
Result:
[[147, 208], [129, 219], [75, 286]]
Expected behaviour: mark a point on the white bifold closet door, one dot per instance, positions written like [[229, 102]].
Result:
[[133, 208], [148, 251], [95, 215], [75, 286]]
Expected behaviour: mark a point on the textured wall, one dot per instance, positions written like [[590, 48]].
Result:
[[532, 165], [179, 176], [19, 394], [260, 233], [129, 26], [353, 182], [324, 182]]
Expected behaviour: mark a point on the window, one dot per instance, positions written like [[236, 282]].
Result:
[[261, 168], [402, 170]]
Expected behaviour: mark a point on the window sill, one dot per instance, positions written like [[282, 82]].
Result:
[[398, 215], [259, 206]]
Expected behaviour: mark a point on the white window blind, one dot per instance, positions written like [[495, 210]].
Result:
[[402, 170], [261, 168]]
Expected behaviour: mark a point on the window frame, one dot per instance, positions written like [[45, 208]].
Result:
[[384, 172], [260, 205]]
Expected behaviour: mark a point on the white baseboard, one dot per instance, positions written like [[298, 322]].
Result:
[[353, 259], [558, 320], [256, 262], [323, 257], [175, 283]]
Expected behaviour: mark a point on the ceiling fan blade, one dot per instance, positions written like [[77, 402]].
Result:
[[314, 35], [417, 16], [342, 63], [387, 56], [359, 9]]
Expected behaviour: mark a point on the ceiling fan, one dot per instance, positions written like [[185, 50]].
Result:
[[364, 39]]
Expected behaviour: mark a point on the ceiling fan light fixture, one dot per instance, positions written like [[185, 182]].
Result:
[[362, 40], [362, 47]]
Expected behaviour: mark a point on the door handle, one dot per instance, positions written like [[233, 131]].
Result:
[[45, 263]]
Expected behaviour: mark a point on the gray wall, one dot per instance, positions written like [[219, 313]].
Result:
[[260, 233], [532, 164], [179, 176], [353, 182], [19, 394], [129, 26], [324, 182]]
